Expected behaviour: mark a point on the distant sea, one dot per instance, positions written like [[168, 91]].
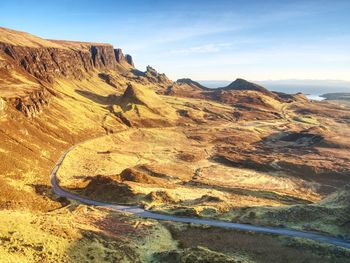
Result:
[[314, 97], [313, 89]]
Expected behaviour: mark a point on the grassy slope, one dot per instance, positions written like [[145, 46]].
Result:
[[18, 38], [84, 109]]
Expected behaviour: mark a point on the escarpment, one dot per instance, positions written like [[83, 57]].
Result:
[[49, 63], [29, 64]]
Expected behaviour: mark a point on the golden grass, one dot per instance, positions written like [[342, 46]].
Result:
[[19, 38], [169, 152], [79, 236]]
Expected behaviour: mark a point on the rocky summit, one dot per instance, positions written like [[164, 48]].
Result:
[[82, 129]]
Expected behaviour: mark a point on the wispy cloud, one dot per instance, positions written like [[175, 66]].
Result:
[[207, 48]]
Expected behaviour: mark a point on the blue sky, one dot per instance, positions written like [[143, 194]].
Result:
[[204, 40]]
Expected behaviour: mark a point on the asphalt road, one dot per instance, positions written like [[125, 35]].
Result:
[[215, 223]]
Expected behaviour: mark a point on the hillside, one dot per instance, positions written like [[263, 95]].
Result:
[[171, 147]]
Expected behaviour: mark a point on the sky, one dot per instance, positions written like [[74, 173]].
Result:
[[202, 39]]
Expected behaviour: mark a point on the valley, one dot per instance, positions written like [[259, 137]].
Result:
[[238, 154]]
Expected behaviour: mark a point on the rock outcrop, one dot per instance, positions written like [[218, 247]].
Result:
[[125, 60], [142, 107], [129, 60], [33, 103], [111, 80], [119, 55], [152, 75]]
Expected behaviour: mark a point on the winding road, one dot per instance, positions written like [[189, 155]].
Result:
[[215, 223]]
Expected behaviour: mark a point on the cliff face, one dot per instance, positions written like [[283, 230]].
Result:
[[28, 65], [48, 63], [129, 60], [123, 59], [103, 57]]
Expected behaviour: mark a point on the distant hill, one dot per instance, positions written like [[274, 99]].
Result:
[[242, 84], [337, 96], [191, 83], [292, 85]]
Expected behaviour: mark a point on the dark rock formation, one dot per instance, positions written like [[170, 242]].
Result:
[[151, 72], [103, 56], [129, 60], [123, 59], [109, 79], [119, 56], [152, 75]]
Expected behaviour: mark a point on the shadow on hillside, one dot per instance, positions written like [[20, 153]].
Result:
[[252, 246], [106, 189], [103, 238], [46, 191], [138, 73], [103, 100], [114, 237], [292, 140]]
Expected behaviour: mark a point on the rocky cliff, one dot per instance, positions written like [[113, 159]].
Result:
[[47, 63], [129, 60], [30, 64], [123, 59]]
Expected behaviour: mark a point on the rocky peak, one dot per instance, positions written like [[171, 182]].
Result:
[[123, 59], [103, 56], [131, 95], [129, 60], [142, 107], [152, 75], [151, 71], [119, 56]]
